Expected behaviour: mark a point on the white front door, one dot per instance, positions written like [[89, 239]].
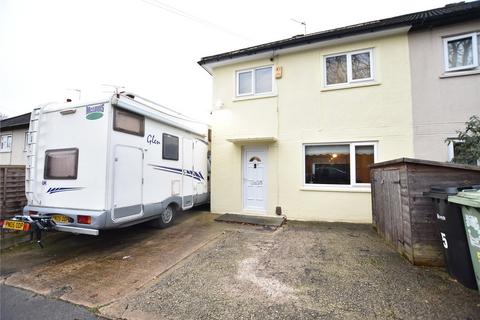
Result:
[[254, 178]]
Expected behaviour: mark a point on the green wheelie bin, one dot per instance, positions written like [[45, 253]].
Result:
[[470, 202]]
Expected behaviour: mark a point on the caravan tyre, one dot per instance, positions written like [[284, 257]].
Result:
[[166, 218]]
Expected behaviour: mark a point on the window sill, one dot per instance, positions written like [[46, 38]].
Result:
[[6, 151], [270, 95], [350, 85], [452, 74], [352, 189]]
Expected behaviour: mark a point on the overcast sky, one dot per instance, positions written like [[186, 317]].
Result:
[[150, 47]]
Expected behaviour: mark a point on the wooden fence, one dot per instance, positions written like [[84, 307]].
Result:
[[12, 190]]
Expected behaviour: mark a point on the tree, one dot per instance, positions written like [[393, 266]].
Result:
[[3, 116], [468, 152]]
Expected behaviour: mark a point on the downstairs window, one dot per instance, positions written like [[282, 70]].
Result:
[[339, 164]]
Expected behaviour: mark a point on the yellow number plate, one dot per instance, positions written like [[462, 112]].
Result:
[[60, 219], [13, 225]]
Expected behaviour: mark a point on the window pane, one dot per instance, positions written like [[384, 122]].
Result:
[[129, 122], [245, 82], [460, 52], [364, 156], [61, 164], [327, 164], [336, 69], [478, 46], [361, 66], [263, 80], [170, 147], [6, 143]]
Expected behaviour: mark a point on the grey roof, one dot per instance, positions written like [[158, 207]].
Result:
[[451, 13], [15, 122]]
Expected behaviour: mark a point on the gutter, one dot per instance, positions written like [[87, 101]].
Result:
[[405, 21]]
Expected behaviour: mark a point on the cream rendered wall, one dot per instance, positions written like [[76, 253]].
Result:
[[239, 118], [17, 156], [309, 113], [441, 105]]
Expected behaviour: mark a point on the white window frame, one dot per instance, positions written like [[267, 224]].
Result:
[[353, 168], [450, 150], [349, 67], [446, 40], [8, 148], [25, 141], [252, 77]]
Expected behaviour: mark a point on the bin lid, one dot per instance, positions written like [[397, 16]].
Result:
[[442, 192], [470, 197]]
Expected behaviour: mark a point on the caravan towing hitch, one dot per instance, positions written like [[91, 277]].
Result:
[[37, 226]]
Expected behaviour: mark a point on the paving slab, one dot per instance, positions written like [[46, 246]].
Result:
[[251, 219]]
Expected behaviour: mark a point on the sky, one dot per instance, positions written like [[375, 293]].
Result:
[[51, 50]]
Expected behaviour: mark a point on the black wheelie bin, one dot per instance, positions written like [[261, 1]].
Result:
[[452, 234]]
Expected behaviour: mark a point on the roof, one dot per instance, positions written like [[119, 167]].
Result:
[[451, 13], [18, 121], [424, 162]]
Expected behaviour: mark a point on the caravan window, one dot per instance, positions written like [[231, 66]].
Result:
[[61, 164], [170, 147], [128, 122]]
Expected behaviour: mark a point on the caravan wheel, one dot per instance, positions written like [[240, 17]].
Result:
[[166, 218]]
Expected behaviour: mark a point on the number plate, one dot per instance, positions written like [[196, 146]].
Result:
[[13, 225], [60, 219]]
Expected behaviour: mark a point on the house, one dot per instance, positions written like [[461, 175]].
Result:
[[13, 140], [445, 71], [297, 122]]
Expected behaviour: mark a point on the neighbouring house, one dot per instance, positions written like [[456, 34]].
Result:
[[445, 71], [297, 122], [13, 140]]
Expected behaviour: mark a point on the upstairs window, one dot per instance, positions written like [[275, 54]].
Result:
[[461, 52], [128, 122], [170, 147], [6, 143], [256, 81], [339, 164], [348, 67]]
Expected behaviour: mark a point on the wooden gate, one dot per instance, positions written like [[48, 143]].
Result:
[[12, 190]]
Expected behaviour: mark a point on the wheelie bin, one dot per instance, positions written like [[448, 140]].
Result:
[[452, 234]]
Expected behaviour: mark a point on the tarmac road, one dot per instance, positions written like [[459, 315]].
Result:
[[21, 304]]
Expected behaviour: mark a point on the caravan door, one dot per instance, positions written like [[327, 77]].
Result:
[[187, 176], [127, 183]]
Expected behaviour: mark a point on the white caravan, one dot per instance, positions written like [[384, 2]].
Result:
[[112, 163]]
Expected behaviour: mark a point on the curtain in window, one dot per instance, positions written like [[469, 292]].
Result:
[[61, 164], [364, 156], [129, 122], [245, 82], [263, 80]]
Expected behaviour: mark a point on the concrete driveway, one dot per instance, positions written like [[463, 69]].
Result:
[[201, 269]]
